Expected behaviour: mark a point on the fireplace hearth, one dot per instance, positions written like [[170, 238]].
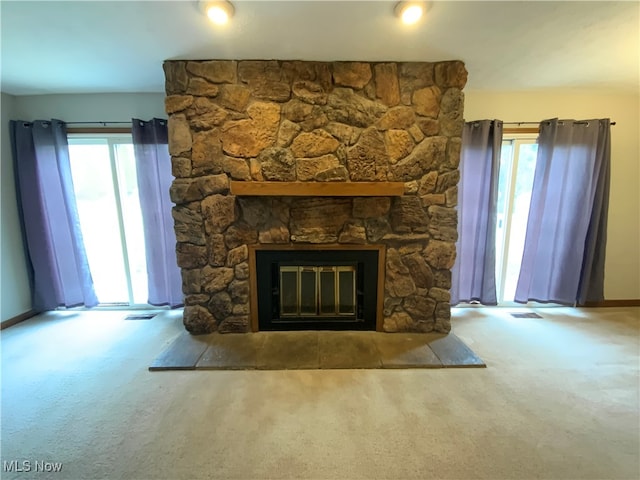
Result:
[[317, 289]]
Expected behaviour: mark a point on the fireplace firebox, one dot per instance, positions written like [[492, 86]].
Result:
[[317, 289]]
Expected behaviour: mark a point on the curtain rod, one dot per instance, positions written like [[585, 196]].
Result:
[[538, 123], [104, 124]]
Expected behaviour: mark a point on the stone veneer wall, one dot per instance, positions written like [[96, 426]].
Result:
[[315, 122]]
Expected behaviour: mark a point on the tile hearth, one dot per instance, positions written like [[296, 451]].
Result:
[[315, 350]]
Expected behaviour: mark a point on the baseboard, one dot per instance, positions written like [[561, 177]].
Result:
[[17, 319], [614, 303]]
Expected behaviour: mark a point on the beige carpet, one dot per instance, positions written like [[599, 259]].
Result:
[[559, 399]]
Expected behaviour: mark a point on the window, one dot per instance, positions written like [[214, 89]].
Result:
[[103, 169], [517, 169]]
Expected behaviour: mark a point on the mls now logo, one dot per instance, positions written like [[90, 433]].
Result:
[[29, 466]]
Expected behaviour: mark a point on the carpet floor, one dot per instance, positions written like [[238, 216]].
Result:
[[559, 399]]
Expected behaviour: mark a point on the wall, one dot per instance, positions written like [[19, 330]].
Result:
[[115, 107], [285, 121], [622, 268], [15, 295]]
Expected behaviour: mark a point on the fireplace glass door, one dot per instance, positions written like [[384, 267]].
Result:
[[315, 291]]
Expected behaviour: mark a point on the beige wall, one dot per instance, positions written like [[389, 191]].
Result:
[[622, 273], [114, 107]]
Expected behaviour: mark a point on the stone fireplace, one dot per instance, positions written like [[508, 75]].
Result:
[[316, 157]]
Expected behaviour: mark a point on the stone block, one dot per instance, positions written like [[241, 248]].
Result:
[[377, 228], [319, 217], [201, 88], [371, 207], [181, 167], [235, 324], [241, 271], [447, 180], [218, 211], [399, 144], [397, 322], [420, 308], [177, 103], [179, 134], [345, 106], [353, 233], [188, 224], [247, 138], [368, 160], [237, 168], [216, 279], [400, 118], [428, 126], [176, 78], [408, 215], [234, 97], [277, 164], [217, 250], [413, 76], [240, 234], [310, 92], [428, 155], [440, 255], [446, 234], [237, 255], [196, 299], [206, 154], [426, 101], [198, 321], [443, 216], [206, 114], [313, 144], [239, 291], [191, 281], [308, 168], [185, 190], [274, 234], [419, 270], [335, 174], [452, 100], [254, 71], [216, 71], [220, 305], [387, 87], [351, 74], [191, 256], [450, 74], [442, 278], [287, 132], [439, 294]]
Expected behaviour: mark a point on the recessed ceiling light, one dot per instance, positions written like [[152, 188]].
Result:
[[410, 12], [219, 12]]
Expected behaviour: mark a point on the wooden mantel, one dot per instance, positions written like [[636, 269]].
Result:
[[317, 189]]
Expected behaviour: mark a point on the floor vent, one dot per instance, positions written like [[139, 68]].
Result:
[[526, 315], [140, 316]]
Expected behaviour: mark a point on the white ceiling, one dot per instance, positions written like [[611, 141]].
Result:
[[119, 46]]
